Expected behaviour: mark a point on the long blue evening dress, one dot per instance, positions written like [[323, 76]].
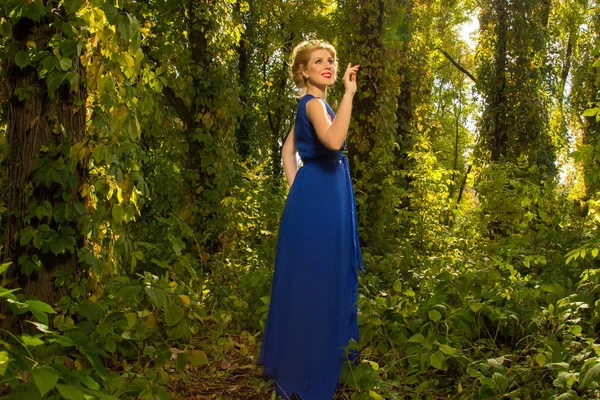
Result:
[[313, 309]]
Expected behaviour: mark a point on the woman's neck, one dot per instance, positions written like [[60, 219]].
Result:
[[317, 91]]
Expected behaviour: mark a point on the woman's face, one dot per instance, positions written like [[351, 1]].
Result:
[[321, 68]]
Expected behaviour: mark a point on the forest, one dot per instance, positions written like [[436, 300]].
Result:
[[141, 189]]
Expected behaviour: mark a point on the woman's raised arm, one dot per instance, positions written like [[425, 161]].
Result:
[[333, 134]]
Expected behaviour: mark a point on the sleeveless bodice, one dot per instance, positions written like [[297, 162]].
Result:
[[307, 142]]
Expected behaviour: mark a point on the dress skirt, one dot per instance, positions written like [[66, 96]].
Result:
[[313, 308]]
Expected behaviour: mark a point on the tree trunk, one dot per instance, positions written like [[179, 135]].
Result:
[[37, 125], [499, 137], [405, 111], [242, 133], [277, 115], [366, 49]]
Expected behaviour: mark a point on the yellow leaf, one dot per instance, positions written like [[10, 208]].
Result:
[[540, 359], [198, 357], [185, 299], [375, 395], [151, 321], [131, 317]]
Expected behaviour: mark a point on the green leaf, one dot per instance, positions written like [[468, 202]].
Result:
[[73, 78], [590, 112], [111, 12], [162, 264], [435, 315], [591, 376], [4, 292], [72, 6], [79, 207], [117, 213], [173, 315], [128, 293], [198, 357], [179, 331], [26, 235], [375, 396], [502, 383], [182, 361], [178, 244], [437, 360], [565, 380], [110, 346], [70, 393], [160, 393], [22, 59], [34, 10], [416, 338], [45, 378], [90, 310], [89, 382], [398, 286], [4, 267], [570, 395], [448, 350], [32, 341], [157, 297], [57, 245], [40, 310], [4, 360], [558, 366], [65, 63], [96, 362], [149, 351], [6, 29], [100, 395], [99, 154], [54, 80]]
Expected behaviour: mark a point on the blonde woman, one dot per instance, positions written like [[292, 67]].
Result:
[[313, 310]]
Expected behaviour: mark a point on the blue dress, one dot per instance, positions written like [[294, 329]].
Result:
[[313, 309]]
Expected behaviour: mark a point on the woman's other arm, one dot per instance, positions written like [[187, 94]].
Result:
[[288, 155]]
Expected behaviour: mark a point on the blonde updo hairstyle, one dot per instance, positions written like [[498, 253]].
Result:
[[301, 57]]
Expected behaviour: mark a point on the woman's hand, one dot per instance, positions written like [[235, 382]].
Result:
[[350, 78]]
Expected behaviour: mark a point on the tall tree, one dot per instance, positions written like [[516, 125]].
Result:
[[364, 40], [512, 77], [516, 150], [46, 116], [586, 90], [55, 68]]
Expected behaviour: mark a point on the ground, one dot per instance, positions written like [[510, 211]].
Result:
[[231, 374]]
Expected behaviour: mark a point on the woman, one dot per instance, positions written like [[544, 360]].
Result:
[[312, 314]]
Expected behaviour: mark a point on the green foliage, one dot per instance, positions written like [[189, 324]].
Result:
[[482, 258], [128, 328]]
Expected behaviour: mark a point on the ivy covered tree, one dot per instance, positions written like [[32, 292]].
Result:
[[50, 77], [142, 187]]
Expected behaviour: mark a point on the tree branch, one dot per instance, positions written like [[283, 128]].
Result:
[[177, 103], [457, 65]]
